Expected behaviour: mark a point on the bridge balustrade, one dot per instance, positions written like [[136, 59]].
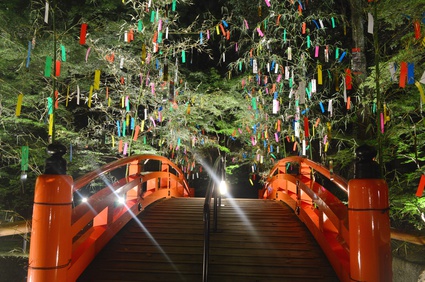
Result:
[[299, 182], [67, 235]]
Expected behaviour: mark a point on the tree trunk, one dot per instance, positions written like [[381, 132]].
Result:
[[359, 66]]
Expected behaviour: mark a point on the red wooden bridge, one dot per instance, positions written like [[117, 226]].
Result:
[[147, 226]]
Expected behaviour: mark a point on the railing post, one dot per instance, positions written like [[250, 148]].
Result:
[[369, 225], [51, 241]]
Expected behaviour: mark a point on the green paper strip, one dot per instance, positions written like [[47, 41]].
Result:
[[333, 22], [140, 25], [63, 53], [123, 128], [173, 7], [152, 16], [24, 158], [240, 66], [284, 35], [291, 82], [183, 56], [50, 105], [159, 37], [254, 103], [337, 53], [144, 139], [48, 66], [308, 41], [308, 93]]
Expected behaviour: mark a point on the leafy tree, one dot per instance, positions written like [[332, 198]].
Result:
[[256, 81]]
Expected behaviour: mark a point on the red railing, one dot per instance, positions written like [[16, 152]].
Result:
[[353, 233], [66, 236]]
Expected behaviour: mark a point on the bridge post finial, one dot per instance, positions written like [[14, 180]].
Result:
[[55, 164], [51, 241], [368, 217], [365, 166]]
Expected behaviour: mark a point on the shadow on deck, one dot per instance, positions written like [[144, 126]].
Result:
[[256, 240]]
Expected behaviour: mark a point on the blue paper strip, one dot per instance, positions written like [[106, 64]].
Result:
[[410, 73], [118, 128], [29, 54], [321, 107]]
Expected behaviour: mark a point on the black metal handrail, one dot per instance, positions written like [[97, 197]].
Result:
[[219, 171]]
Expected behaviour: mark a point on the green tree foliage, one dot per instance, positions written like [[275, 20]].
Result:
[[256, 81], [400, 34]]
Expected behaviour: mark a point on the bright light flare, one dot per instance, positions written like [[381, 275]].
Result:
[[121, 200], [223, 187], [84, 200]]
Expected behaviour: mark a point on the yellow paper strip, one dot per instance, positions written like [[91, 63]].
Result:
[[319, 74], [96, 79], [67, 96], [51, 125], [113, 140], [143, 125], [421, 90], [90, 96], [19, 104]]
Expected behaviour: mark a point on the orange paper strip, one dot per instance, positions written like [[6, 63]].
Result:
[[421, 186], [136, 133]]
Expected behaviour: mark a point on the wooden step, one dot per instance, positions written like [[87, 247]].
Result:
[[255, 240]]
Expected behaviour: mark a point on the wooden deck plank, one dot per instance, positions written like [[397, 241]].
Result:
[[256, 240]]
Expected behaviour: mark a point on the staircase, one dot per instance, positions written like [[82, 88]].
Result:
[[256, 240]]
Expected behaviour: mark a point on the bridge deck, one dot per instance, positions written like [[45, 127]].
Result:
[[257, 240]]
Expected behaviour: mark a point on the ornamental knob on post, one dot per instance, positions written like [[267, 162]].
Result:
[[55, 164], [51, 239], [369, 224]]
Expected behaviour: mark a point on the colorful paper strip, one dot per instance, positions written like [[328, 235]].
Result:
[[83, 33], [19, 105]]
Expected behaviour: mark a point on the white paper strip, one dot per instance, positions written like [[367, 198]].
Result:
[[370, 23], [46, 13]]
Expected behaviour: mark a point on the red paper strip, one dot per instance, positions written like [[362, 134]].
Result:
[[56, 99], [417, 27], [348, 79], [421, 186], [306, 133], [403, 74], [83, 33], [348, 102], [57, 68]]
